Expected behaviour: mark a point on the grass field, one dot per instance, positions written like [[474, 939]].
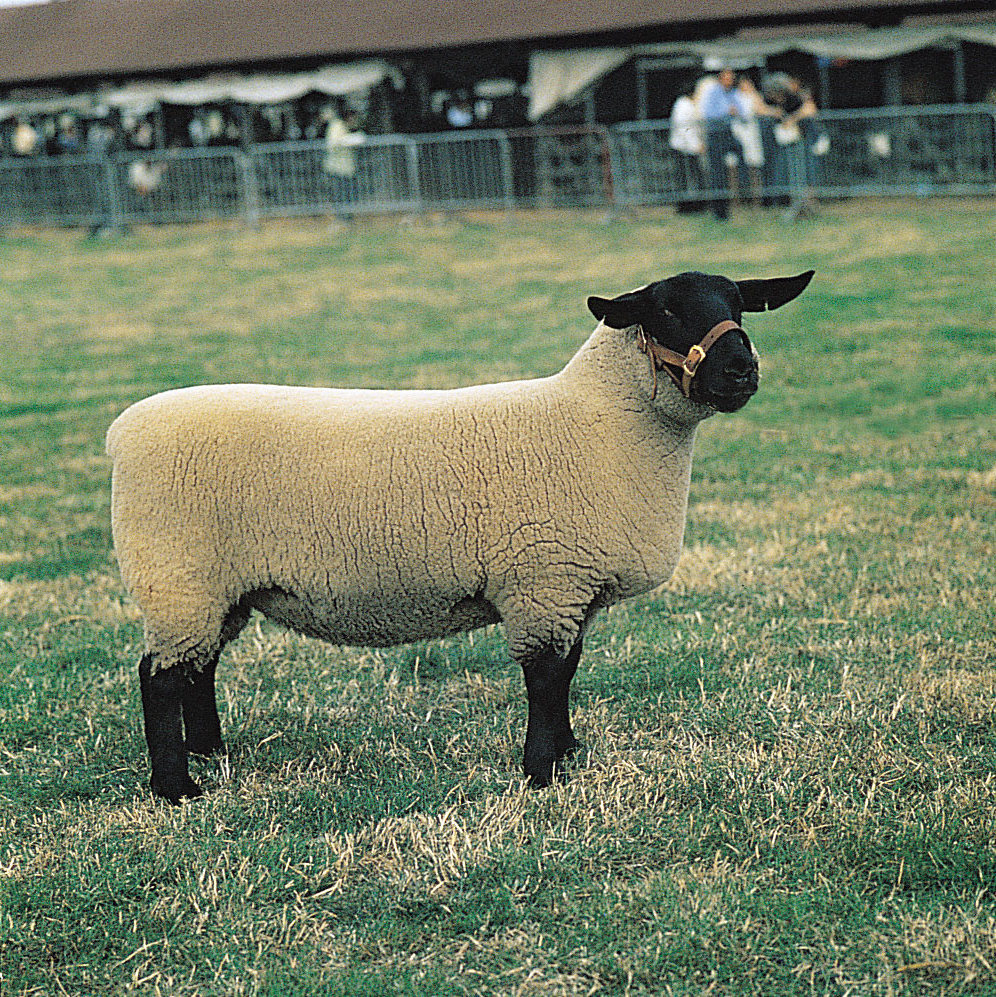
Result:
[[790, 778]]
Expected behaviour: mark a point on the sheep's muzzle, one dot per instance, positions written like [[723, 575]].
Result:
[[682, 369]]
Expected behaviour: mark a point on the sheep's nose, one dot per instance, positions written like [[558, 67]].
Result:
[[740, 368]]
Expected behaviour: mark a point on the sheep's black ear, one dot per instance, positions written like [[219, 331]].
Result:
[[763, 295], [631, 308]]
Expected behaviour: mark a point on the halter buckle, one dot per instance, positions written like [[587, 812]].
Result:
[[695, 357]]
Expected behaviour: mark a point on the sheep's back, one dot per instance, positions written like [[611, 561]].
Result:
[[422, 510], [379, 497]]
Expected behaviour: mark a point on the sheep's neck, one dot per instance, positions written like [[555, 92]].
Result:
[[645, 444], [611, 364]]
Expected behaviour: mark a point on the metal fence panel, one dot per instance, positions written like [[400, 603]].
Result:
[[464, 170], [648, 170], [180, 185], [59, 190], [294, 178], [922, 151], [883, 151], [916, 151], [558, 167]]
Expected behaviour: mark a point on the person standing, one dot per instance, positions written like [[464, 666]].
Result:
[[722, 104], [341, 139], [25, 140], [798, 134], [685, 137]]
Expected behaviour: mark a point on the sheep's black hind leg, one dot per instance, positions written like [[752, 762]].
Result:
[[162, 703], [200, 711], [549, 738]]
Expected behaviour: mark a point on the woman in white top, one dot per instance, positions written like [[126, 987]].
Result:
[[686, 138], [342, 136]]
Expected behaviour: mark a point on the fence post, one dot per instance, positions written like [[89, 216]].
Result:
[[507, 174], [115, 216], [248, 187], [414, 176], [613, 144]]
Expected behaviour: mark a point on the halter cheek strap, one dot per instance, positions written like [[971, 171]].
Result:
[[661, 358]]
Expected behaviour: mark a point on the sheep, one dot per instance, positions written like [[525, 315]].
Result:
[[381, 517]]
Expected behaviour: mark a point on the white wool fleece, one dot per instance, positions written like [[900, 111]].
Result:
[[382, 517]]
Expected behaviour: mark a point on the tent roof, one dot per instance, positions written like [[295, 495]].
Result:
[[557, 77], [81, 39]]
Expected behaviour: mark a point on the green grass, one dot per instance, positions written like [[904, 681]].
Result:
[[789, 785]]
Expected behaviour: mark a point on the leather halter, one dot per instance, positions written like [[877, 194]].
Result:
[[661, 358]]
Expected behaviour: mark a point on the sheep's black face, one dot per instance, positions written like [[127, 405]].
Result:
[[688, 306], [678, 312], [728, 376]]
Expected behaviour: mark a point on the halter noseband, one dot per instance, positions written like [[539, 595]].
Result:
[[661, 358]]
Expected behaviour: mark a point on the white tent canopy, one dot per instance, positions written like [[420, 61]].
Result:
[[79, 104], [276, 88], [556, 77]]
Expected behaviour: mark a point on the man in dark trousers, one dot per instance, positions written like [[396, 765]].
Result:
[[722, 104]]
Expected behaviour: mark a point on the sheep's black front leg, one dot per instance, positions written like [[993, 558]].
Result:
[[162, 703], [549, 738], [200, 711]]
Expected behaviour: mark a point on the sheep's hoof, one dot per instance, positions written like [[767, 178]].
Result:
[[573, 749], [543, 780], [205, 747], [175, 790], [541, 776], [546, 773]]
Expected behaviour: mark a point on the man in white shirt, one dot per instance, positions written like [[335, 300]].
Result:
[[722, 104]]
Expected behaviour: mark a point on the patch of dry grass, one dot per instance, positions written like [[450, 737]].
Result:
[[789, 760]]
